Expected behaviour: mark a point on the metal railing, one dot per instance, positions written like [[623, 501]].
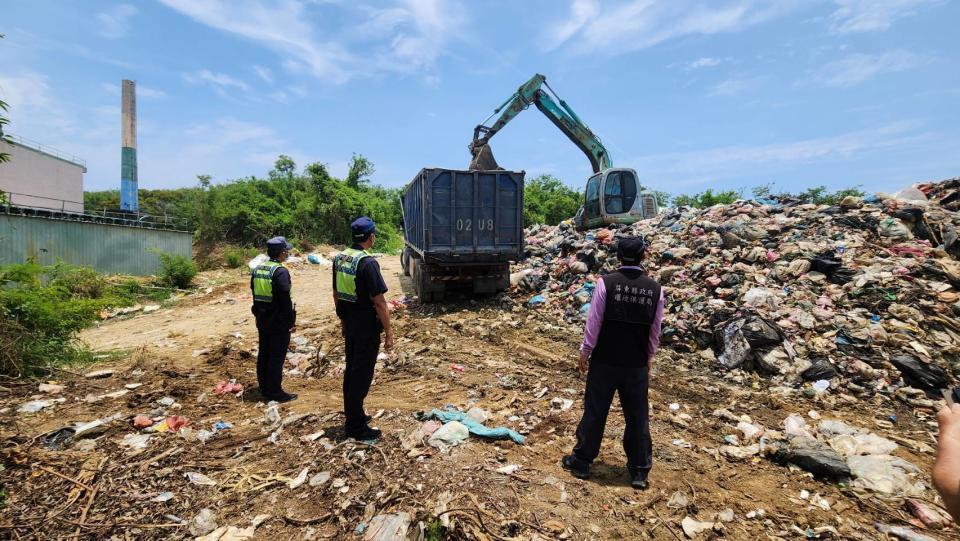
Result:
[[21, 201], [47, 149]]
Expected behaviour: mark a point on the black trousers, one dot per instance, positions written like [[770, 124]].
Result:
[[274, 341], [361, 351], [631, 383]]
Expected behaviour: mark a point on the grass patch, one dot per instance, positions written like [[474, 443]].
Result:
[[42, 308]]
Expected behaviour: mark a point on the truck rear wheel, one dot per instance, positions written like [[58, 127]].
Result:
[[405, 261], [426, 290]]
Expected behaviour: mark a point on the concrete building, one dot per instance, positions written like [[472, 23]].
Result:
[[41, 177]]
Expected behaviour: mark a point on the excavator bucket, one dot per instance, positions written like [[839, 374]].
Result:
[[483, 159]]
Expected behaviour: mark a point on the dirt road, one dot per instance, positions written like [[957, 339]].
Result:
[[508, 360]]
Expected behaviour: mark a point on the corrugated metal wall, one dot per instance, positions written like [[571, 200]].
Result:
[[106, 248]]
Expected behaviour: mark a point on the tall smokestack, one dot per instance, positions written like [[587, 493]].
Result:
[[128, 144]]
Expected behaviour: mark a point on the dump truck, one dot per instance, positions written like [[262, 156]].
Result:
[[612, 195], [461, 230]]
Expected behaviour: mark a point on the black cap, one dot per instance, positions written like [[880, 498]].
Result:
[[630, 249], [361, 227], [277, 245]]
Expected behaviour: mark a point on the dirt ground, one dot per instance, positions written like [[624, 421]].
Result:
[[512, 362]]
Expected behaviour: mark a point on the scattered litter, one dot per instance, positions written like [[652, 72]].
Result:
[[135, 441], [225, 387], [299, 479], [449, 435], [319, 479], [36, 405], [50, 388], [204, 523], [200, 479], [387, 527]]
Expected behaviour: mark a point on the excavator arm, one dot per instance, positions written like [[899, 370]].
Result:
[[557, 110]]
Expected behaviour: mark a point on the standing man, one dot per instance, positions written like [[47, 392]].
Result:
[[358, 289], [276, 317], [619, 341]]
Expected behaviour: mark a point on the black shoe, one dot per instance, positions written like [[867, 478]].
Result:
[[364, 434], [579, 468], [285, 397], [639, 481]]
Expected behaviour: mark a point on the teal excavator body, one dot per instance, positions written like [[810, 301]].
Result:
[[612, 195]]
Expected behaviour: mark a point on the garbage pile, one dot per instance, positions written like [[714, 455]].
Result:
[[865, 291]]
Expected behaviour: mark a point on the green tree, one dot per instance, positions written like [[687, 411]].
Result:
[[663, 198], [284, 167], [707, 198], [359, 171], [547, 200], [208, 229]]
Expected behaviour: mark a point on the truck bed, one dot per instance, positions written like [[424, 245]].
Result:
[[464, 217]]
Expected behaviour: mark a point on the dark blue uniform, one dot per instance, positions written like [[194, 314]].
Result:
[[362, 330], [274, 321]]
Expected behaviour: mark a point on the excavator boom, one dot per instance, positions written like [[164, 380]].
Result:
[[612, 194], [533, 93]]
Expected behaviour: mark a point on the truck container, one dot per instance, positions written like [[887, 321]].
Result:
[[461, 230]]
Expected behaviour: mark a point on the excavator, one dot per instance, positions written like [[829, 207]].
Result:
[[613, 195]]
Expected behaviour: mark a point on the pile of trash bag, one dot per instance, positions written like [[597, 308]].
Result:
[[867, 290]]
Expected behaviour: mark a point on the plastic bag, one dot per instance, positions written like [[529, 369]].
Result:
[[257, 261], [449, 435], [882, 473], [761, 297], [819, 369], [920, 374], [796, 425], [894, 229]]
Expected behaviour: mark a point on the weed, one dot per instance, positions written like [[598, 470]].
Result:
[[176, 270]]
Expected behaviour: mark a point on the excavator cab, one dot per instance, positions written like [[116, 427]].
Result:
[[614, 196]]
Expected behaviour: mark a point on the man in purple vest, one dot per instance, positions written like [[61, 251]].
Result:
[[619, 341]]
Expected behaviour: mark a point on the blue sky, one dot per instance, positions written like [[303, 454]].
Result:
[[692, 94]]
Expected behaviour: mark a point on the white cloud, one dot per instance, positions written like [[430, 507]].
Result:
[[705, 62], [857, 68], [581, 13], [728, 162], [734, 87], [408, 37], [149, 93], [870, 15], [637, 24], [115, 22], [220, 82], [34, 112], [264, 73]]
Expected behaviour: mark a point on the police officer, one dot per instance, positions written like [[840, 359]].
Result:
[[276, 317], [621, 336], [358, 290]]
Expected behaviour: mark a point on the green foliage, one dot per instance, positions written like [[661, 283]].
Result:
[[42, 309], [663, 198], [284, 167], [547, 200], [79, 282], [818, 195], [707, 199], [311, 208], [176, 270], [763, 191], [233, 257], [359, 171]]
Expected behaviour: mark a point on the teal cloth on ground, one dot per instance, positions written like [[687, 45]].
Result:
[[474, 427]]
